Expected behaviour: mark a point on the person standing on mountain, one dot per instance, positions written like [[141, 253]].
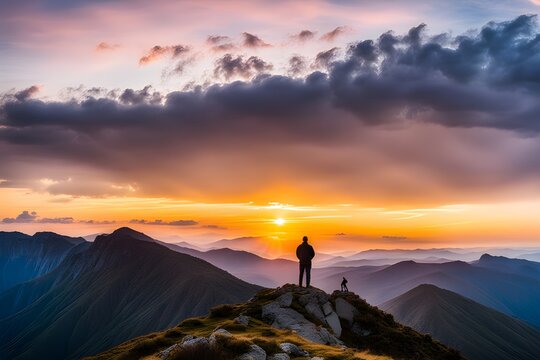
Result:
[[305, 253]]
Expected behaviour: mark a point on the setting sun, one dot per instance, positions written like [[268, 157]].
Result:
[[279, 221]]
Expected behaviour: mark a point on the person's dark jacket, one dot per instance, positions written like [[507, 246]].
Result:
[[304, 253]]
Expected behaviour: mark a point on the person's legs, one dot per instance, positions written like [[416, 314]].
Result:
[[301, 275], [308, 274]]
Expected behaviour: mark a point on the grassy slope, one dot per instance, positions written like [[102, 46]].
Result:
[[388, 341]]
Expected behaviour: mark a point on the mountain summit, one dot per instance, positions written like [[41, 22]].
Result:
[[288, 322], [120, 286]]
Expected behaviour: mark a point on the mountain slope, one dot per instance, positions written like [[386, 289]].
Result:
[[245, 265], [476, 330], [24, 257], [510, 293], [118, 288], [340, 326]]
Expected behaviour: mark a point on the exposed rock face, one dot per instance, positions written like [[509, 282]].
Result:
[[256, 353], [280, 356], [293, 350], [242, 320], [279, 314], [345, 310]]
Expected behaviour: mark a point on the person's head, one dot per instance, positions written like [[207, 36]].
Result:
[[304, 239]]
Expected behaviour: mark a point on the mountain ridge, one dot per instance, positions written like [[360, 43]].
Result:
[[476, 330], [117, 288]]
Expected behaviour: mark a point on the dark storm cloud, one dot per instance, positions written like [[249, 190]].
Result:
[[318, 128], [332, 35], [253, 41], [230, 66]]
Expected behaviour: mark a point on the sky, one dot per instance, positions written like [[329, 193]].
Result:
[[388, 124]]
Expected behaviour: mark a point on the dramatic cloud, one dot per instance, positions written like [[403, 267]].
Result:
[[401, 117], [160, 222], [304, 35], [253, 41], [332, 35], [325, 58], [297, 65], [27, 93], [158, 52], [144, 96], [230, 66]]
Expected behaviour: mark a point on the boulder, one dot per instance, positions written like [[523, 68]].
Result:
[[242, 320], [328, 338], [314, 296], [345, 310], [256, 353], [218, 332], [285, 300], [315, 310], [333, 321], [358, 330], [164, 354], [327, 308], [293, 350], [194, 341], [280, 356]]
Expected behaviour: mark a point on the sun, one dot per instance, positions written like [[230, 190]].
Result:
[[279, 221]]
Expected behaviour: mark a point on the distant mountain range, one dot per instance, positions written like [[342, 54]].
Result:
[[24, 257], [480, 333], [502, 287], [245, 265], [120, 286]]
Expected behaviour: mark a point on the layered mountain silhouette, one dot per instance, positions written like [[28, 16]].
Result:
[[479, 332], [121, 286], [512, 293], [519, 267], [245, 265], [24, 257]]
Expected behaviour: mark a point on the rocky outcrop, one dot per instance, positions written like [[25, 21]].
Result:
[[293, 350], [256, 353], [317, 304]]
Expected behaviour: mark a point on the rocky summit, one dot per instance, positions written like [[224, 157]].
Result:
[[289, 322]]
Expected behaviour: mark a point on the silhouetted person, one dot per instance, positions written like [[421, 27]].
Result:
[[304, 253], [344, 285]]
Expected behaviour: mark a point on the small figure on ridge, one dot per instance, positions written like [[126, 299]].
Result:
[[344, 285]]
